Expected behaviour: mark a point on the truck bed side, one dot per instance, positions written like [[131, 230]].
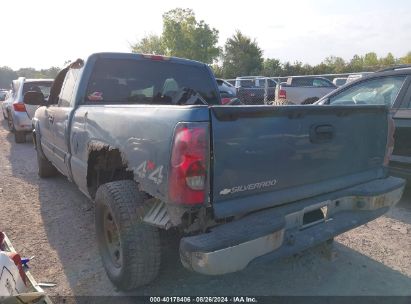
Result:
[[141, 134]]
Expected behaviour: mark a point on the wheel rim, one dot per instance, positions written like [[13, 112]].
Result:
[[112, 239]]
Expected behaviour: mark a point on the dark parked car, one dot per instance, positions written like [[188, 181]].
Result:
[[252, 89], [391, 87]]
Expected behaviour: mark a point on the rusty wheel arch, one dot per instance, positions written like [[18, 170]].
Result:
[[105, 164]]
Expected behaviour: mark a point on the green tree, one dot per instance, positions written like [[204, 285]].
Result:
[[7, 75], [406, 59], [371, 61], [336, 64], [218, 70], [298, 68], [28, 73], [272, 67], [356, 64], [388, 60], [242, 56], [308, 69], [185, 37], [322, 68], [50, 73], [151, 44]]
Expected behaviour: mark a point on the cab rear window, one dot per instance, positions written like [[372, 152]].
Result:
[[150, 82]]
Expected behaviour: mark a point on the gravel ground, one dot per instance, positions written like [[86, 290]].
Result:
[[53, 221]]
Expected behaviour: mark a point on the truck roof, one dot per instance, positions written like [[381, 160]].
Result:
[[119, 55]]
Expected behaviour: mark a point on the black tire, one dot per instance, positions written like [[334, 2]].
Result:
[[46, 168], [310, 100], [10, 123], [19, 137], [130, 249]]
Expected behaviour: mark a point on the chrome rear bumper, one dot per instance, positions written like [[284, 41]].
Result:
[[286, 230]]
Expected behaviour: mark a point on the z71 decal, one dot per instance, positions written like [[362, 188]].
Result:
[[148, 170]]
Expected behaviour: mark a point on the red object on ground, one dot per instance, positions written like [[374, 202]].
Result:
[[15, 257]]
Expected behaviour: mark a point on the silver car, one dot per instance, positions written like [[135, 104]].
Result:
[[5, 102], [226, 87], [17, 113]]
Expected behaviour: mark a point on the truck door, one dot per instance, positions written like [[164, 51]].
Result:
[[401, 156], [59, 118]]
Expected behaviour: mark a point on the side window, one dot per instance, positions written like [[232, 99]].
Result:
[[65, 97], [381, 91], [247, 83], [170, 85], [302, 82], [227, 84], [271, 83], [318, 82]]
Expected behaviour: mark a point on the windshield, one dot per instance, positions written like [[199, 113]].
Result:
[[340, 82], [261, 82], [37, 86], [247, 83], [271, 83], [149, 82], [378, 91]]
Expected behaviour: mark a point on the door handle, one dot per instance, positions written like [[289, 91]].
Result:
[[321, 133], [51, 119]]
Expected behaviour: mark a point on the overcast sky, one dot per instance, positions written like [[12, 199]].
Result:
[[46, 33]]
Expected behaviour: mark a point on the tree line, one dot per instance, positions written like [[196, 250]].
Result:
[[185, 36], [7, 75]]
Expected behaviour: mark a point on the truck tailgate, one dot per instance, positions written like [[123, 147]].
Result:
[[267, 156]]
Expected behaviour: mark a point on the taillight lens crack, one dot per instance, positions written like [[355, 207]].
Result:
[[189, 164]]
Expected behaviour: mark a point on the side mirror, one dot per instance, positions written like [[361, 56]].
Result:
[[34, 98]]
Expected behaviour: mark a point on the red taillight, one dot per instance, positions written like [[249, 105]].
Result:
[[189, 166], [282, 94], [156, 57], [390, 141], [19, 107], [225, 100]]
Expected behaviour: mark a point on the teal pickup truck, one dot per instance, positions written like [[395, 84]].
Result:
[[147, 139]]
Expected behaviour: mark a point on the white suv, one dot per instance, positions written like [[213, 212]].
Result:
[[17, 113]]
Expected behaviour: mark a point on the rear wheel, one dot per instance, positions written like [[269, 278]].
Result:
[[10, 122], [130, 249], [310, 100], [19, 137]]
